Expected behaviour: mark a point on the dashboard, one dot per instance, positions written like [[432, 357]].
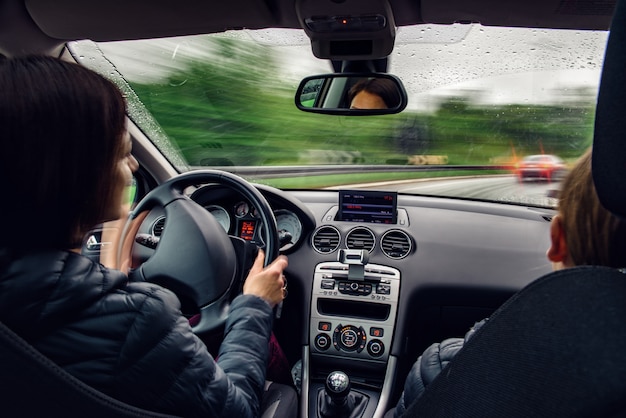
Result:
[[375, 277]]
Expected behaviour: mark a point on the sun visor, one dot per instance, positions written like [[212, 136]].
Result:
[[121, 19], [557, 14]]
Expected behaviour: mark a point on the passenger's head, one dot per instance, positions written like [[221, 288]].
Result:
[[584, 232], [65, 152], [374, 93]]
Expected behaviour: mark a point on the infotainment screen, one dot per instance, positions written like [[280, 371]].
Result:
[[368, 206]]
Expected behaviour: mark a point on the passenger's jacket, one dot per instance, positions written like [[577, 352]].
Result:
[[129, 339], [428, 366]]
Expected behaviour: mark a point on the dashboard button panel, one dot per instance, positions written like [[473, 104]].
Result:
[[353, 318]]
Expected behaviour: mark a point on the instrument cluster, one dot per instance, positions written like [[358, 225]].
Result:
[[238, 217]]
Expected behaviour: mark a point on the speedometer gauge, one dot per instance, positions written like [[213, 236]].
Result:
[[288, 221], [221, 215]]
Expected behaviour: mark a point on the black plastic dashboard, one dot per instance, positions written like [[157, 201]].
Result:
[[456, 262], [441, 265]]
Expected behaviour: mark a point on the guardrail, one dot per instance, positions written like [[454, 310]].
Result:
[[263, 172]]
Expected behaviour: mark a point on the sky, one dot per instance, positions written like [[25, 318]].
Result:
[[506, 65]]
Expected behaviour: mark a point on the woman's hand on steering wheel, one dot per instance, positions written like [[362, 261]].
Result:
[[267, 283]]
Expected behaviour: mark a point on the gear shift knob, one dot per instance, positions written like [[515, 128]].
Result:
[[338, 400], [338, 387]]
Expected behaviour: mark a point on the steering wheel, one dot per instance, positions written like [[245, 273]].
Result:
[[194, 257]]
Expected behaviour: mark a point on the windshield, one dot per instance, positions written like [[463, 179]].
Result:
[[480, 99]]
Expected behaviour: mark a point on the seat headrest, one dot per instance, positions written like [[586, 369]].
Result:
[[609, 142]]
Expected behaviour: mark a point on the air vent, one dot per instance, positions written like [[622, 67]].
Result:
[[360, 239], [326, 240], [157, 227], [396, 244]]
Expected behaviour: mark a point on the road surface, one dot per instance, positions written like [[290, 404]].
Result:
[[495, 188]]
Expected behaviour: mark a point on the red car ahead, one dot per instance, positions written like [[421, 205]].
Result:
[[542, 166]]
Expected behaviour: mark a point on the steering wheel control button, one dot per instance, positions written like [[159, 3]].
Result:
[[349, 338], [322, 342], [355, 288], [147, 240], [375, 348]]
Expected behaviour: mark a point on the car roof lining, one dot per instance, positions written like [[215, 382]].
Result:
[[45, 25]]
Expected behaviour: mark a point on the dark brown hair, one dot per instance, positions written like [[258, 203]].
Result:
[[61, 130], [594, 236], [382, 87]]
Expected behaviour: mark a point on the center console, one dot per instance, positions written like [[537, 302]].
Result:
[[353, 313]]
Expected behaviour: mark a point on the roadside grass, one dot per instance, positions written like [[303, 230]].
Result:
[[334, 180]]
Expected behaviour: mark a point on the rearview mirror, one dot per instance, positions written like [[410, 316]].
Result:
[[351, 94]]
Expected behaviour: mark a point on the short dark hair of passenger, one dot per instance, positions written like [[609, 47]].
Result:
[[382, 87], [61, 130]]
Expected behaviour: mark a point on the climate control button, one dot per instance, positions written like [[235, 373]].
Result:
[[322, 341], [375, 348], [349, 338]]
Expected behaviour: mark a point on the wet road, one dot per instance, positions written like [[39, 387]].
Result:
[[495, 188]]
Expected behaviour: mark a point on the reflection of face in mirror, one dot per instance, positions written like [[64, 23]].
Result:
[[357, 94], [374, 93], [367, 100]]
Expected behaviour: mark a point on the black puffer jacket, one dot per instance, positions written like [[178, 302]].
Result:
[[429, 365], [130, 341]]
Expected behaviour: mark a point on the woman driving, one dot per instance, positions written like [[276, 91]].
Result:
[[66, 162]]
